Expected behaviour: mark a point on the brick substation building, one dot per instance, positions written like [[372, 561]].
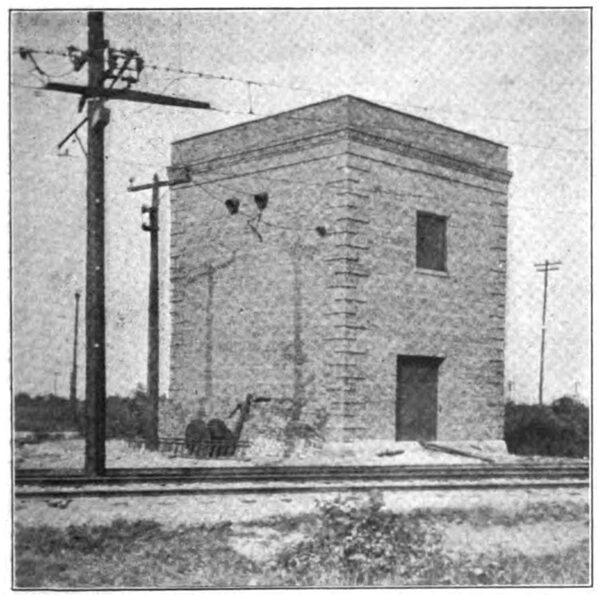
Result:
[[349, 261]]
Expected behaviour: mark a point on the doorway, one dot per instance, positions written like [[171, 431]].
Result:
[[416, 397]]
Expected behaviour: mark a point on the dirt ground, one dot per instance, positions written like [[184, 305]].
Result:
[[69, 453], [179, 510], [502, 530]]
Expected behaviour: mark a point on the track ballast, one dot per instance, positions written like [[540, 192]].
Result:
[[38, 483]]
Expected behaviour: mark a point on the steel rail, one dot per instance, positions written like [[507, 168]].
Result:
[[304, 474], [295, 488]]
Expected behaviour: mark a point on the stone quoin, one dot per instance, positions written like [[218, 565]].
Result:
[[348, 260]]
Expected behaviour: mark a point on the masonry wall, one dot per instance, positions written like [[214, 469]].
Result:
[[248, 313], [317, 322], [402, 310]]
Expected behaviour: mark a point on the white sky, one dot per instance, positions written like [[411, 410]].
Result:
[[519, 77]]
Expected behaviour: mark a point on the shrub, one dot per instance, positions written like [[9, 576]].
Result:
[[559, 429], [43, 413], [362, 544], [124, 415]]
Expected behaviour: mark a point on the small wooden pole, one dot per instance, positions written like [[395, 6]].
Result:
[[545, 268], [153, 377], [153, 322]]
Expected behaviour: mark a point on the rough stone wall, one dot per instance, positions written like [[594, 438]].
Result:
[[317, 322]]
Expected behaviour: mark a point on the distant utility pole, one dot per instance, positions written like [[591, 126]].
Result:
[[511, 388], [104, 62], [73, 387], [151, 417], [545, 268]]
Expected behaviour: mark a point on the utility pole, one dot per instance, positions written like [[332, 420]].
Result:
[[73, 387], [151, 417], [95, 365], [104, 62], [511, 386], [545, 268], [153, 319]]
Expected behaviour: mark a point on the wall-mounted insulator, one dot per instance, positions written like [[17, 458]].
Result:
[[112, 60], [152, 213], [261, 200], [232, 205], [77, 57]]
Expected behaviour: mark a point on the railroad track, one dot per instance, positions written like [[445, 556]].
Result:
[[36, 483]]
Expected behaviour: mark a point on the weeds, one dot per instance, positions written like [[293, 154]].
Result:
[[364, 544], [348, 542], [128, 555]]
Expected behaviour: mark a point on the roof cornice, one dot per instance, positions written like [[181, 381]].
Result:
[[352, 134]]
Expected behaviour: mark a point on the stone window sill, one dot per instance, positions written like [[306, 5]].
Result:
[[427, 272]]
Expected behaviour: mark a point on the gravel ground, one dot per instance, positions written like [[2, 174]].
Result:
[[172, 511], [254, 534], [69, 453], [254, 537]]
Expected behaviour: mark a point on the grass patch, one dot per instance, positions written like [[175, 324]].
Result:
[[569, 567], [126, 554], [486, 516], [359, 544], [347, 542]]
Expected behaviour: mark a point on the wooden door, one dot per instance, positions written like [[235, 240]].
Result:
[[416, 397]]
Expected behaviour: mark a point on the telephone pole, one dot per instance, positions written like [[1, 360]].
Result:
[[153, 319], [95, 365], [151, 418], [73, 386], [545, 268], [104, 62]]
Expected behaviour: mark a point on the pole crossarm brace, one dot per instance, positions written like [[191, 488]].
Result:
[[97, 119], [126, 94], [73, 132]]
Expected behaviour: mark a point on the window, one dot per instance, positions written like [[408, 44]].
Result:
[[431, 241]]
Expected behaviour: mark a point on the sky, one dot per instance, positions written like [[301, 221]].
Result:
[[518, 77]]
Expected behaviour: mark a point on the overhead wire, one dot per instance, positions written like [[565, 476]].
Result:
[[188, 73], [259, 83], [251, 112], [511, 143], [405, 129]]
